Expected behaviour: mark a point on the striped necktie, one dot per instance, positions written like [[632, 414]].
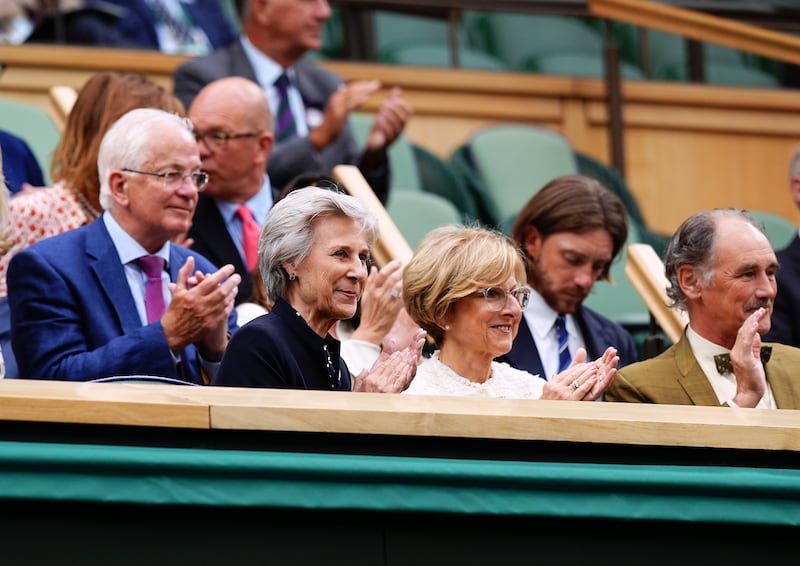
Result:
[[564, 357], [285, 127]]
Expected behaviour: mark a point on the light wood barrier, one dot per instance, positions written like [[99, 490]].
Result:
[[699, 26], [688, 147], [646, 273], [62, 99], [376, 414]]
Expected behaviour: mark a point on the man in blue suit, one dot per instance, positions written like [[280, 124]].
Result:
[[82, 306], [569, 232], [311, 102]]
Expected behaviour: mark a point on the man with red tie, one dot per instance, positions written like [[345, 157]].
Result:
[[116, 297], [234, 130]]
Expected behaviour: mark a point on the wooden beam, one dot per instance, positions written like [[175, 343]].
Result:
[[62, 99], [646, 273], [699, 26], [391, 244]]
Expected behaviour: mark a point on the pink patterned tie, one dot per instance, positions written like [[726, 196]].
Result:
[[153, 266], [250, 234]]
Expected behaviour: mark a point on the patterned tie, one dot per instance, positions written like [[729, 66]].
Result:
[[564, 357], [153, 266], [724, 364], [250, 234], [285, 127]]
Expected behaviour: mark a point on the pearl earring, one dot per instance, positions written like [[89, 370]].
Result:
[[292, 277]]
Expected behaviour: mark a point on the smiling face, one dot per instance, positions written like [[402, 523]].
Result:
[[329, 281], [743, 280], [287, 29], [475, 329], [565, 265], [151, 210]]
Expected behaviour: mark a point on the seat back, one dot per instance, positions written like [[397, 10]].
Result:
[[417, 213], [778, 229], [514, 161], [401, 157], [33, 125], [437, 177], [516, 39]]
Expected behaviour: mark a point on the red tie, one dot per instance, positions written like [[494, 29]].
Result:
[[250, 234], [153, 266]]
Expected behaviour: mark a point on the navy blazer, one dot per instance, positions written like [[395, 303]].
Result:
[[786, 314], [295, 156], [73, 316], [279, 350], [138, 22], [598, 333]]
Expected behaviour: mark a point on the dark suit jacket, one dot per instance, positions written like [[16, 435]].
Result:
[[279, 350], [786, 314], [73, 316], [296, 156], [212, 240], [19, 163], [675, 378], [138, 22], [598, 332]]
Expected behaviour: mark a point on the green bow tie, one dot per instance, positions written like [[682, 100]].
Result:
[[724, 365]]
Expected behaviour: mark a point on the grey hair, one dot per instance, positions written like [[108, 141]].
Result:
[[794, 164], [693, 244], [126, 142], [287, 234]]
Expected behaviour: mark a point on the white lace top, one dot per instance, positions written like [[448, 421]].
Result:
[[435, 378]]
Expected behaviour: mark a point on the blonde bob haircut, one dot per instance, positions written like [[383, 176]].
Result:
[[451, 263]]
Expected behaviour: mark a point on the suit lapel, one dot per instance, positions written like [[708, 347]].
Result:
[[215, 241], [103, 260], [523, 354], [691, 378], [779, 378]]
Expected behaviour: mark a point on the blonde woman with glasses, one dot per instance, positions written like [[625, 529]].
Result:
[[465, 286]]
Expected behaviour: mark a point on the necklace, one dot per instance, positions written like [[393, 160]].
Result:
[[91, 212]]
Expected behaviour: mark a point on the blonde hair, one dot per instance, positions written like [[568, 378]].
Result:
[[453, 262]]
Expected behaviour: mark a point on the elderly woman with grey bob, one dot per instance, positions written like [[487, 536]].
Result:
[[313, 256]]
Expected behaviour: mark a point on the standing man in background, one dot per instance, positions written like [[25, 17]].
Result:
[[311, 105]]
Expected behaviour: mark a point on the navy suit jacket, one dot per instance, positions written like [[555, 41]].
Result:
[[598, 332], [295, 156], [212, 240], [786, 314], [73, 316], [138, 22], [19, 163]]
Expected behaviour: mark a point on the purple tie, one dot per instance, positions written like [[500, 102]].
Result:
[[153, 266], [284, 119]]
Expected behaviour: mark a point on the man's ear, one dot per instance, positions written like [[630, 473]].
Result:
[[117, 182], [690, 281], [794, 188], [532, 241]]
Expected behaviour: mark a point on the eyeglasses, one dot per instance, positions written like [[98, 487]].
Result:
[[496, 297], [175, 178], [217, 140]]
